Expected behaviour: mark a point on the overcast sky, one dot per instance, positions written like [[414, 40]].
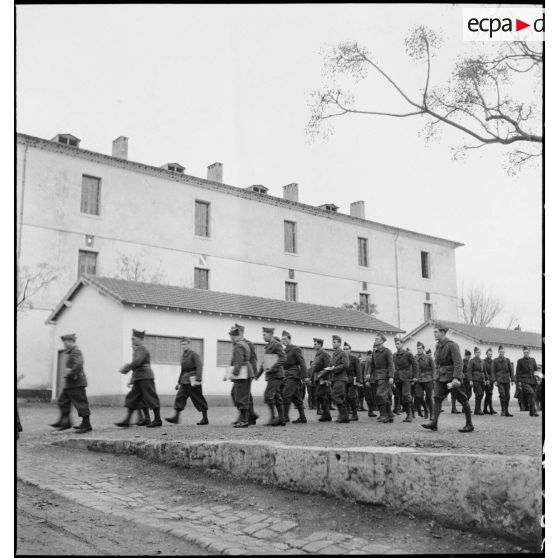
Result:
[[198, 84]]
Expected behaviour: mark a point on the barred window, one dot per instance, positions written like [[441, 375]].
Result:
[[290, 237], [166, 350], [90, 195], [202, 218], [87, 263], [201, 278], [290, 291], [363, 252]]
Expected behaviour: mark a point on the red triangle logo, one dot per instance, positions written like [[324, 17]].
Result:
[[519, 25]]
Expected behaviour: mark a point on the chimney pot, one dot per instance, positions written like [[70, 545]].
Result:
[[357, 209], [290, 192], [120, 147], [215, 172]]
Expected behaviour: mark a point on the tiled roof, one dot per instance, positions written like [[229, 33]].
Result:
[[166, 296], [491, 335]]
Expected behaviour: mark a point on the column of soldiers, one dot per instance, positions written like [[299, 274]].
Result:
[[419, 383]]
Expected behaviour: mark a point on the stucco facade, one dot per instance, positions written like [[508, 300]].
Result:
[[147, 215]]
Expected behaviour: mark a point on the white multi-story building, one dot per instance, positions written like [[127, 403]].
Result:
[[80, 211]]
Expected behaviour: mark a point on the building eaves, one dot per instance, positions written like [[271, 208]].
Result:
[[97, 157]]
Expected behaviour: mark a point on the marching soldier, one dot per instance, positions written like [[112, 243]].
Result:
[[295, 373], [369, 388], [489, 386], [354, 375], [448, 377], [73, 392], [321, 379], [311, 388], [477, 373], [240, 393], [405, 373], [467, 380], [252, 416], [380, 369], [338, 375], [189, 384], [143, 382], [525, 376], [425, 380], [274, 378], [503, 374]]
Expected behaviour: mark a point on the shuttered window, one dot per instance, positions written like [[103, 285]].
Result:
[[425, 264], [87, 263], [90, 195], [201, 278], [166, 350], [363, 252], [290, 291], [202, 218], [290, 237]]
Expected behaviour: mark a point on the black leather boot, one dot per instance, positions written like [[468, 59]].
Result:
[[156, 419], [85, 426], [244, 419], [146, 418], [433, 424], [175, 419], [478, 406], [407, 407], [507, 409], [286, 410], [204, 420], [126, 422], [354, 410], [326, 415], [468, 419], [301, 416]]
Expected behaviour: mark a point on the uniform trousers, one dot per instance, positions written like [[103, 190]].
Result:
[[488, 390], [383, 392], [186, 391], [403, 388], [323, 395], [529, 394], [142, 390], [74, 396], [311, 396], [478, 389], [240, 394], [441, 392], [423, 390], [370, 395], [292, 392], [352, 392], [272, 393], [338, 392], [504, 391]]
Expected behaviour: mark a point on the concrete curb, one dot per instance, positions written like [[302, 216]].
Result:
[[495, 495]]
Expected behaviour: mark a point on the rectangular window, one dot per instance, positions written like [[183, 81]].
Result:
[[290, 291], [425, 264], [201, 278], [290, 237], [202, 218], [364, 286], [427, 297], [166, 350], [87, 263], [363, 252], [364, 302], [90, 195], [427, 311], [291, 274]]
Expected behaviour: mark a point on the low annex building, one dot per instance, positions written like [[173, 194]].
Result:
[[469, 336], [102, 312]]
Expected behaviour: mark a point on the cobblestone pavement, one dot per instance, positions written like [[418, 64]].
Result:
[[520, 435], [226, 516]]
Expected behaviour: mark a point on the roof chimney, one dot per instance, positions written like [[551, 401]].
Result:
[[290, 192], [215, 172], [357, 209], [120, 148]]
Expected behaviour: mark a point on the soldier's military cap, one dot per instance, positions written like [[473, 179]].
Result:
[[429, 352], [235, 330], [467, 352], [420, 344], [500, 348], [268, 329], [381, 336], [489, 349], [241, 327], [346, 345], [320, 341], [336, 338], [476, 349], [369, 352], [398, 339], [138, 334], [441, 327], [68, 337], [525, 348], [286, 334]]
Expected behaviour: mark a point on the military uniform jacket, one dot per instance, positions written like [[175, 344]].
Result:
[[253, 355], [241, 357], [321, 361], [295, 366], [405, 365], [354, 370], [503, 371], [466, 375], [525, 372], [476, 370], [380, 365], [190, 366], [140, 365], [489, 369], [276, 372], [449, 364], [340, 364], [425, 365], [76, 376]]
